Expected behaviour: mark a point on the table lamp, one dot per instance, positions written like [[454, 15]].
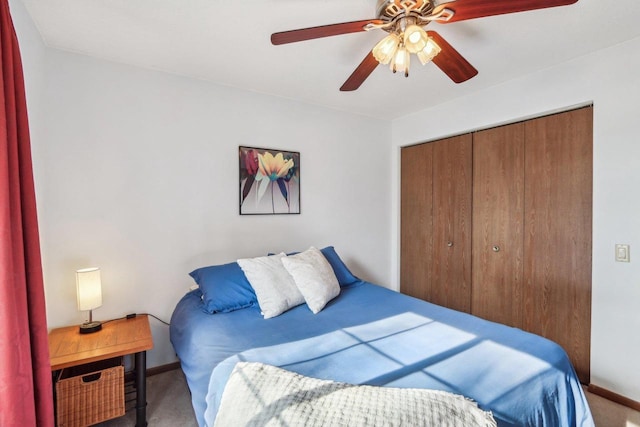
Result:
[[89, 291]]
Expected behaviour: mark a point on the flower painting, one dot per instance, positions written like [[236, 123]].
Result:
[[269, 181]]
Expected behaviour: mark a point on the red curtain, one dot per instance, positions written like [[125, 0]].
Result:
[[26, 396]]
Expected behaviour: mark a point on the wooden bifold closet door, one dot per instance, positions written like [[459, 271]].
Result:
[[558, 232], [416, 217], [436, 222], [499, 224]]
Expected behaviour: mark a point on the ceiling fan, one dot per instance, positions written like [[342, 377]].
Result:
[[405, 20]]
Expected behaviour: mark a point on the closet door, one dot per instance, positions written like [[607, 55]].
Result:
[[498, 205], [416, 219], [558, 224], [452, 183], [435, 258]]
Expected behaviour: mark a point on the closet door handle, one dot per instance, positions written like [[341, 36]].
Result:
[[449, 244], [496, 248]]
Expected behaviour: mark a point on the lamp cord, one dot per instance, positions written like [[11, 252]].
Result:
[[157, 318], [129, 316]]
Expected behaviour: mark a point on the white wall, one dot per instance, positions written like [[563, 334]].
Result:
[[137, 173], [609, 79]]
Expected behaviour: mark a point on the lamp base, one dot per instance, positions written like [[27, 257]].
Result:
[[90, 327]]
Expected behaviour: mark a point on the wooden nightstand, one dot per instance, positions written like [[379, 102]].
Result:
[[68, 348]]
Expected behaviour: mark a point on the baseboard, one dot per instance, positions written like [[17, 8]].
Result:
[[614, 397], [163, 368]]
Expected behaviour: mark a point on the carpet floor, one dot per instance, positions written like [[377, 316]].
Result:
[[168, 403]]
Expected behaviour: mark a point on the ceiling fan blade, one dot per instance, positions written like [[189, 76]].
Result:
[[321, 31], [451, 62], [361, 73], [470, 9]]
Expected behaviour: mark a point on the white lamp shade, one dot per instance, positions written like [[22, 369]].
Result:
[[89, 288]]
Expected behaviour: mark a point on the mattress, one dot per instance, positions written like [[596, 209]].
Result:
[[372, 335]]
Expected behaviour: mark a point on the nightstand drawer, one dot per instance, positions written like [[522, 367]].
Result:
[[90, 397]]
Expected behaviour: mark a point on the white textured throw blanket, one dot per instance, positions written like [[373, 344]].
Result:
[[263, 395]]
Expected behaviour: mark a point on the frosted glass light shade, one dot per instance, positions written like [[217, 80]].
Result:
[[386, 48], [89, 288], [401, 62], [429, 52], [415, 38]]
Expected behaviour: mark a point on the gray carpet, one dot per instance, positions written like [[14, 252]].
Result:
[[169, 405]]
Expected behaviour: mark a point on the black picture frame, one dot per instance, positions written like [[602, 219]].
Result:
[[269, 181]]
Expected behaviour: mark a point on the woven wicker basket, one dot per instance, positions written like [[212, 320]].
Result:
[[88, 399]]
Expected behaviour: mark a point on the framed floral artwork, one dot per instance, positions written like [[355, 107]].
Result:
[[269, 181]]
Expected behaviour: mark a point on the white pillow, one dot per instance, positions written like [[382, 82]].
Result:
[[274, 287], [314, 277]]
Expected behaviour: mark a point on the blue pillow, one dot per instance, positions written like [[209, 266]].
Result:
[[224, 288], [343, 274]]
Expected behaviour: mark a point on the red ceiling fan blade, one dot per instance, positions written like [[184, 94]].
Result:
[[470, 9], [321, 31], [451, 62], [361, 73]]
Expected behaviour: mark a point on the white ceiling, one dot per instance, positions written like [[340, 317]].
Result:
[[228, 43]]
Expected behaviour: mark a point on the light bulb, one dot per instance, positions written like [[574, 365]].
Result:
[[415, 38], [401, 61]]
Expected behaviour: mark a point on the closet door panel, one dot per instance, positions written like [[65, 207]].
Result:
[[416, 218], [558, 223], [452, 184], [498, 203]]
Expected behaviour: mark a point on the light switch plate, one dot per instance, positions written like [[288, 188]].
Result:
[[622, 253]]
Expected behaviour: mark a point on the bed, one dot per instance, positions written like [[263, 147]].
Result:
[[371, 335]]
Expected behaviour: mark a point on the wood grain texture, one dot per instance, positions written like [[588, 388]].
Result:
[[452, 186], [321, 31], [361, 73], [67, 347], [532, 197], [558, 224], [498, 220], [416, 219], [451, 62], [471, 9]]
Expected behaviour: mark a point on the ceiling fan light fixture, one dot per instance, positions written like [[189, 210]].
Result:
[[401, 61], [386, 48], [405, 21], [430, 51], [415, 38]]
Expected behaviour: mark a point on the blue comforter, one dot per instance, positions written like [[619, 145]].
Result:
[[372, 335]]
